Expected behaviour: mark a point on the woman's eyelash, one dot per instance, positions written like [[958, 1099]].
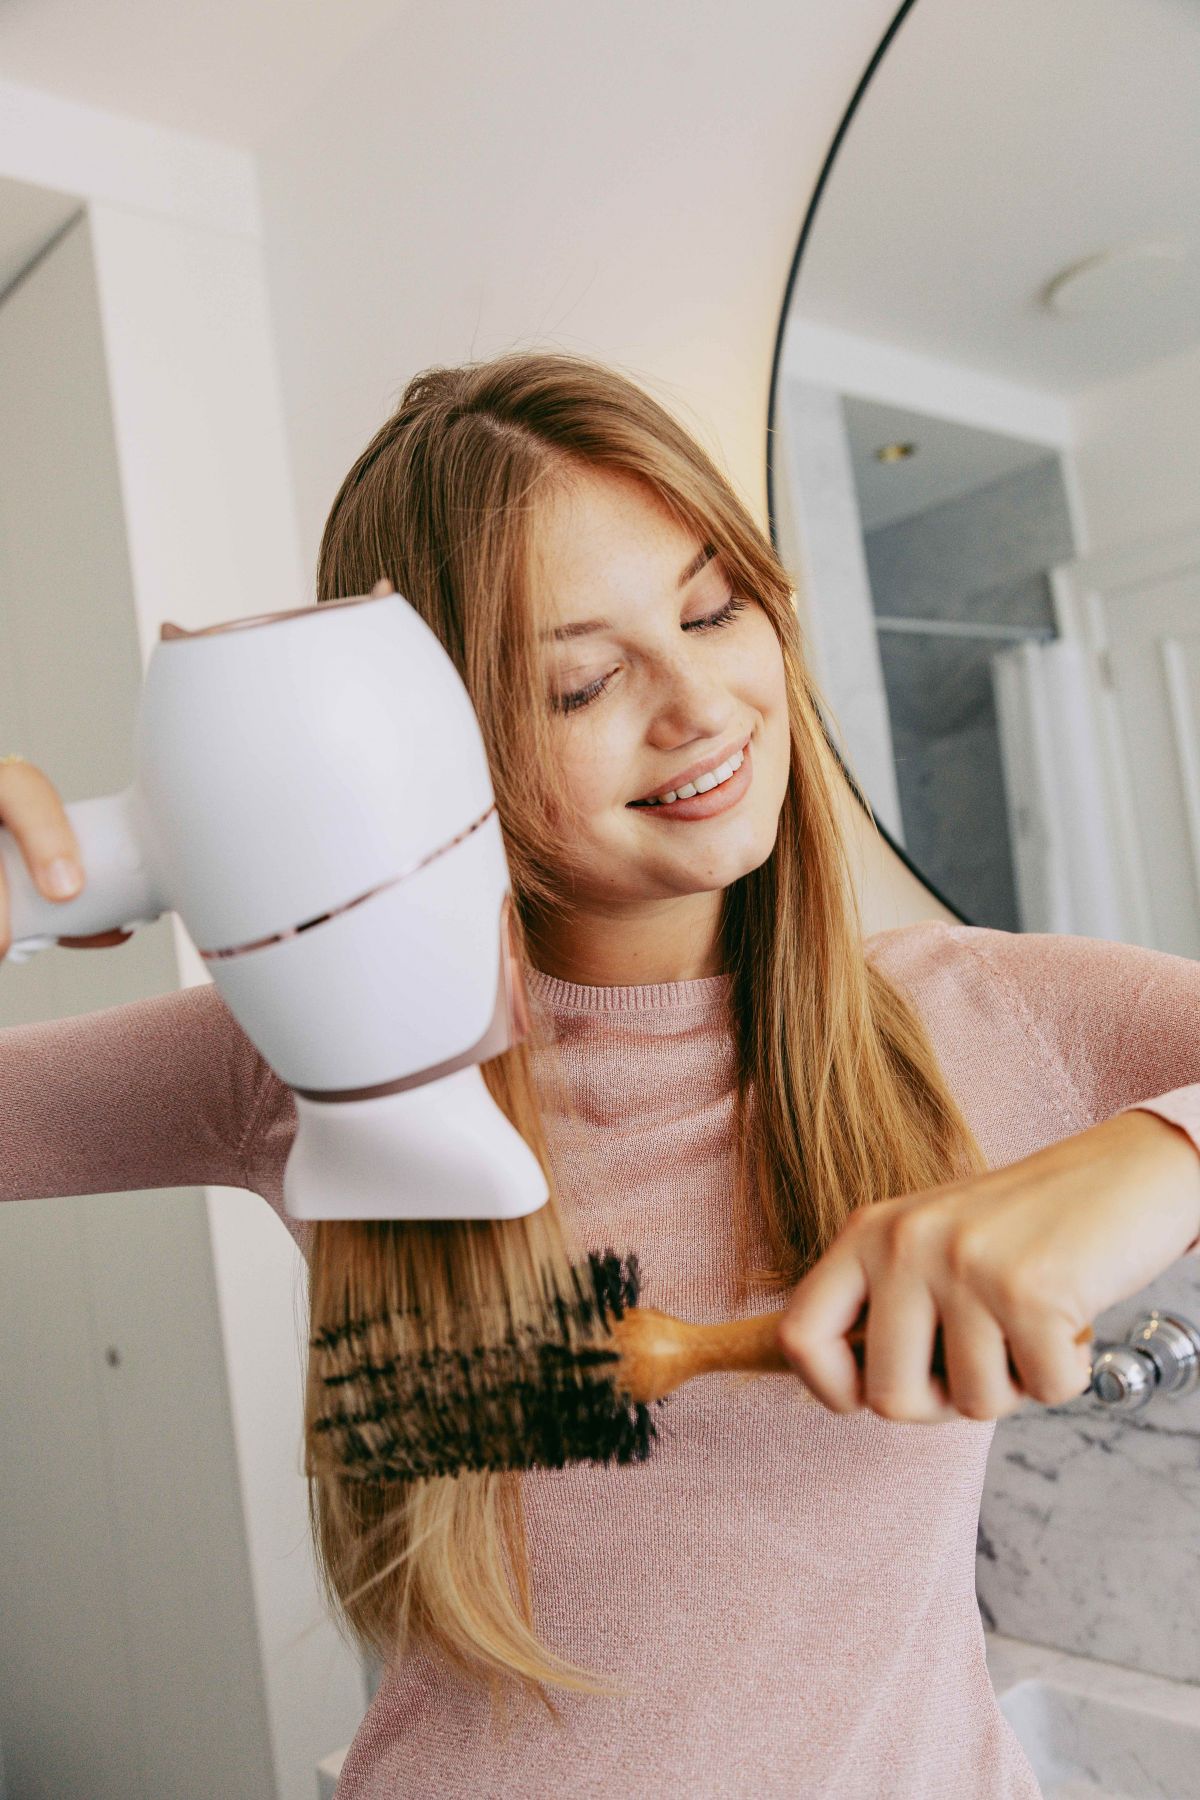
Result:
[[572, 702]]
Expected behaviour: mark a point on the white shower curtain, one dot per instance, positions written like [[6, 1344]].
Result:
[[1062, 844]]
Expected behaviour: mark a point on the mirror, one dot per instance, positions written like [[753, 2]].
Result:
[[983, 452]]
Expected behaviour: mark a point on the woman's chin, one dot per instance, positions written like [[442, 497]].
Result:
[[720, 856]]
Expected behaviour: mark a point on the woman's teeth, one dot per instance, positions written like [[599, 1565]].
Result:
[[702, 783]]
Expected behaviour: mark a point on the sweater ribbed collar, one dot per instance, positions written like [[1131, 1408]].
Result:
[[710, 993], [704, 993]]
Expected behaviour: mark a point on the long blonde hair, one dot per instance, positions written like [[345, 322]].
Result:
[[848, 1101]]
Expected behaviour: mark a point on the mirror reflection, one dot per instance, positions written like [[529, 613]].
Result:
[[984, 436], [983, 449]]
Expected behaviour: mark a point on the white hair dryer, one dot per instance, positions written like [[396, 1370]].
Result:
[[313, 799]]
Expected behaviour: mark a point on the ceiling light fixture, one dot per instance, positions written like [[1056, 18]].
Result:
[[1115, 280]]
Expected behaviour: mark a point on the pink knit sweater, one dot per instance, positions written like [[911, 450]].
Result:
[[787, 1593]]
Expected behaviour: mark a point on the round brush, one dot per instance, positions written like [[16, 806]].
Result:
[[577, 1386]]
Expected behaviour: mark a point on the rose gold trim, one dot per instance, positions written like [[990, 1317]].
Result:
[[169, 632], [509, 1025], [291, 931]]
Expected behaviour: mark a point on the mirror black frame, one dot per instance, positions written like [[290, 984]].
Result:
[[785, 310]]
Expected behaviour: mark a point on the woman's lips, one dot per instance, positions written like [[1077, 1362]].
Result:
[[697, 772], [704, 806]]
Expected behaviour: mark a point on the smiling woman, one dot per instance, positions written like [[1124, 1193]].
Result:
[[703, 1001], [750, 1097], [728, 1078], [680, 691]]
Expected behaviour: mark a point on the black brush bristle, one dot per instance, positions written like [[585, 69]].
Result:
[[545, 1400]]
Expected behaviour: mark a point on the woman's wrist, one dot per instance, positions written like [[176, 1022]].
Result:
[[1188, 1158]]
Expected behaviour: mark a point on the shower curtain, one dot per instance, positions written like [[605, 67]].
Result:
[[1062, 842]]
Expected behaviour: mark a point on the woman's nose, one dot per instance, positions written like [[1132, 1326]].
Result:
[[692, 708]]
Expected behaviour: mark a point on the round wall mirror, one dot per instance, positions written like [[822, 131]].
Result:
[[983, 452]]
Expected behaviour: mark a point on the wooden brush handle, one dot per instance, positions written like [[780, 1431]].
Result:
[[659, 1352]]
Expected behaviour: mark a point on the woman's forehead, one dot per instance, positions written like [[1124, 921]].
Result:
[[612, 541]]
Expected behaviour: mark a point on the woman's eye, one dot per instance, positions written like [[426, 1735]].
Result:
[[572, 702]]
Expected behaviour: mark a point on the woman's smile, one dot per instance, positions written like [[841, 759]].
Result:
[[719, 799]]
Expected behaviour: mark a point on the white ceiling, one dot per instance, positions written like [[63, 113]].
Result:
[[951, 459], [996, 145], [232, 70]]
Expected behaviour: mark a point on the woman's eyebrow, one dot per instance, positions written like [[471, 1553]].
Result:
[[582, 626]]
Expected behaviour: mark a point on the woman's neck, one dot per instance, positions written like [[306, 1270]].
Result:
[[671, 941]]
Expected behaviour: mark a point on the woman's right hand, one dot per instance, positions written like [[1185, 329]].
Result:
[[32, 810]]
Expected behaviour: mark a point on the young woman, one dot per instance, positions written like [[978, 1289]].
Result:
[[994, 1134]]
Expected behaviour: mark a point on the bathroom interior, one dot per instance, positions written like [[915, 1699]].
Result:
[[979, 307], [987, 382]]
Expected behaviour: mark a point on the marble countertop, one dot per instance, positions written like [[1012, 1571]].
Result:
[[1010, 1660]]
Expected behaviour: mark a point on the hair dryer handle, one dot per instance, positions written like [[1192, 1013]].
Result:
[[118, 890]]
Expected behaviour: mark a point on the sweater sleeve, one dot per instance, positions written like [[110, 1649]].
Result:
[[159, 1093], [1121, 1021]]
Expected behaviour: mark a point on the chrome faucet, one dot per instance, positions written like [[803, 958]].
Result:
[[1160, 1354]]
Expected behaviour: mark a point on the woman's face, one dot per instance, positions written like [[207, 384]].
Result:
[[673, 676]]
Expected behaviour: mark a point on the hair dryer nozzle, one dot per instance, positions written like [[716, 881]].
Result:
[[443, 1150]]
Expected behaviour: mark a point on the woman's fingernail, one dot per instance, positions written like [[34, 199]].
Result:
[[62, 877]]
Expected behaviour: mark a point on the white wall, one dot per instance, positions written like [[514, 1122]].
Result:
[[1137, 453], [211, 534], [621, 180], [1132, 446], [124, 1577]]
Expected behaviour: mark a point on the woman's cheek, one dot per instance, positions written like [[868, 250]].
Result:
[[578, 767]]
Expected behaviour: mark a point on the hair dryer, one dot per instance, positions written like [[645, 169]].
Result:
[[312, 797]]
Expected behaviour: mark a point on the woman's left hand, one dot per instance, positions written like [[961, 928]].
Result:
[[1015, 1262]]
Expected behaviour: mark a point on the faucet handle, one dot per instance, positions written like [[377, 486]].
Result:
[[1161, 1351], [1123, 1379], [1173, 1343]]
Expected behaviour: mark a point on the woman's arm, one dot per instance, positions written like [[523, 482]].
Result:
[[159, 1093], [1017, 1262], [1122, 1022]]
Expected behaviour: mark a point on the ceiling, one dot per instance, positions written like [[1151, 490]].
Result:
[[996, 145], [232, 70], [951, 459]]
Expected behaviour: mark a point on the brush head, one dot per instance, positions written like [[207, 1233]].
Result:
[[538, 1395]]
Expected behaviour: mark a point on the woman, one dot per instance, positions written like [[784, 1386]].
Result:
[[993, 1133]]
